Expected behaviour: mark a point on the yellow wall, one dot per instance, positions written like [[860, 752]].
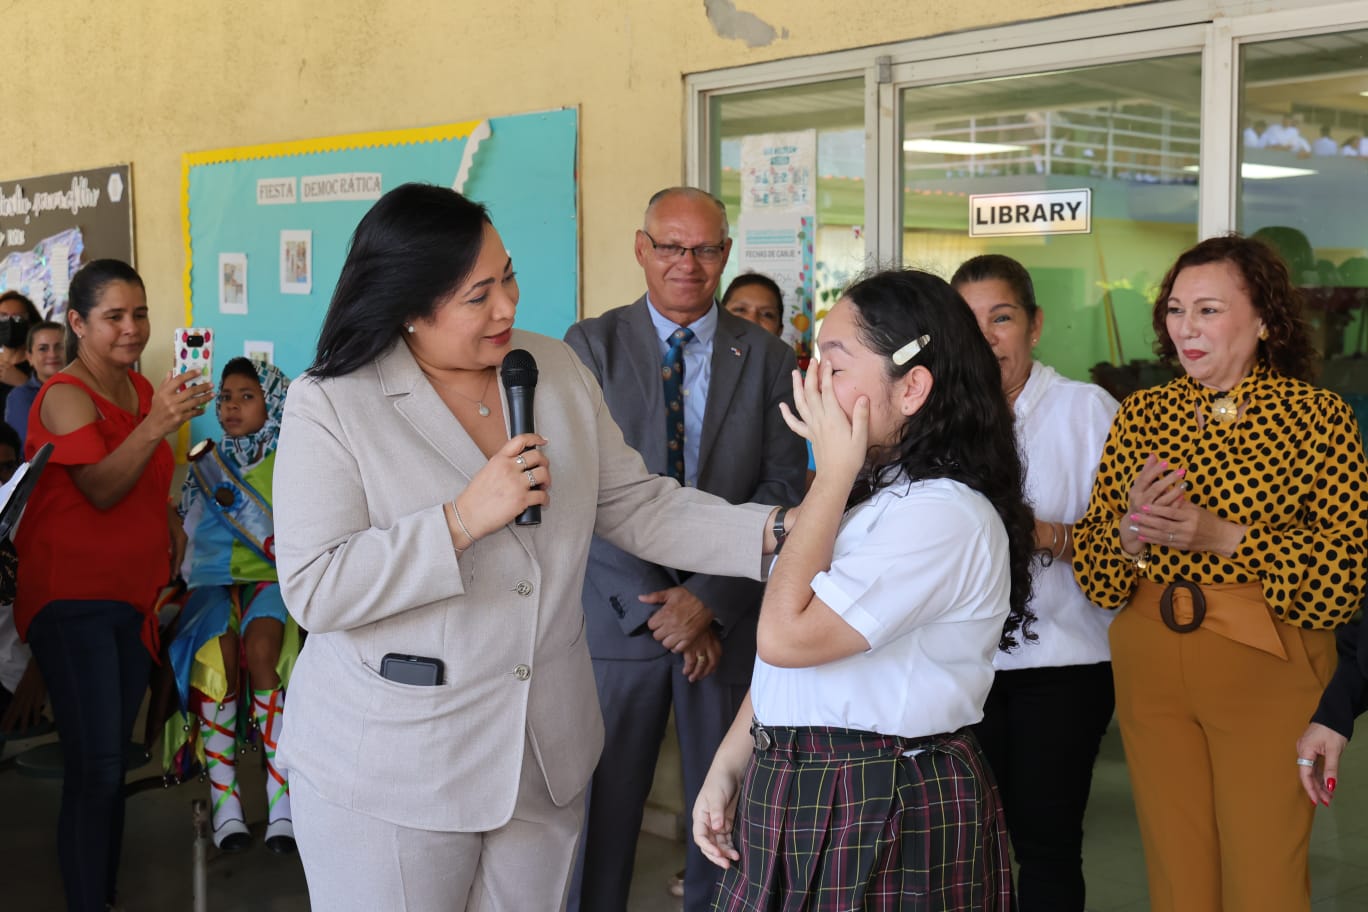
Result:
[[91, 83]]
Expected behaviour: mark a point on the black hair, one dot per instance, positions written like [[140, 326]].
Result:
[[963, 431], [1003, 268], [42, 326], [31, 312], [240, 367], [753, 278], [88, 284], [411, 250]]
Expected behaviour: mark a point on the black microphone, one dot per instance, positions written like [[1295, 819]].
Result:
[[519, 375]]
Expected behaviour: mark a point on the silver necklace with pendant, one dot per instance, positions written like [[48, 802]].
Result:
[[479, 403]]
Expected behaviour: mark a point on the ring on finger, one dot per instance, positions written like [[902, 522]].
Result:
[[1303, 761], [522, 463], [531, 479], [1170, 538]]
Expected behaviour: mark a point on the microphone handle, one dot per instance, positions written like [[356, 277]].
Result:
[[520, 422]]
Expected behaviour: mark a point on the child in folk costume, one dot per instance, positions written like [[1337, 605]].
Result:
[[234, 615]]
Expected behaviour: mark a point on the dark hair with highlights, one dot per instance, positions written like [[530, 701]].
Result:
[[1288, 348], [410, 251], [991, 266], [963, 430]]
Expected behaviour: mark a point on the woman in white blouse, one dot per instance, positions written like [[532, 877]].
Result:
[[1051, 700], [908, 570]]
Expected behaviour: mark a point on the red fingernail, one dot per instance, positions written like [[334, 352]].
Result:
[[1145, 508], [1164, 464], [1141, 537], [1330, 785], [1133, 516], [1182, 471]]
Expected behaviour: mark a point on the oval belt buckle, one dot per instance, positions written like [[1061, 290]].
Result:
[[763, 741], [1198, 606]]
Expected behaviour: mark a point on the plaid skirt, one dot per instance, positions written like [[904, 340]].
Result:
[[832, 820]]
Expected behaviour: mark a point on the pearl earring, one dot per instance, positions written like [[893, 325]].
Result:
[[409, 327]]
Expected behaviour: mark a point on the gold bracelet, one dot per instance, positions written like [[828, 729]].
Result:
[[460, 522], [1139, 561]]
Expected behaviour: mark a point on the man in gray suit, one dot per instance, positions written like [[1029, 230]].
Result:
[[660, 638]]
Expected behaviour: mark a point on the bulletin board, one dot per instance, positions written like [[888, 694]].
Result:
[[266, 227], [50, 225]]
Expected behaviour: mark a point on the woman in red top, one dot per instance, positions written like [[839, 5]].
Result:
[[95, 548]]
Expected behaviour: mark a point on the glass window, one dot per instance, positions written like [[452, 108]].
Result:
[[765, 142], [1128, 132], [1304, 185]]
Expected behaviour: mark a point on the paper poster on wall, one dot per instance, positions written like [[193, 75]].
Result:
[[779, 171], [233, 283], [779, 245], [296, 262], [259, 350], [43, 273], [89, 212]]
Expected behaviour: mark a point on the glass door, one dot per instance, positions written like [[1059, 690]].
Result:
[[1008, 166]]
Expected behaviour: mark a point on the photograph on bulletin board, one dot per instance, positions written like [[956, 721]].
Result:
[[289, 209]]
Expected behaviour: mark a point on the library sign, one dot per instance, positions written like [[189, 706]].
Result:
[[1035, 212]]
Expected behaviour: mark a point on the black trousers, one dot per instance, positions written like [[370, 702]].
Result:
[[1041, 730], [95, 667]]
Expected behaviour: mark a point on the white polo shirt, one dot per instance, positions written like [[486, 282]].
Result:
[[920, 570], [1061, 427]]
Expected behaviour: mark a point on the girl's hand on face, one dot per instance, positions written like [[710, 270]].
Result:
[[840, 444]]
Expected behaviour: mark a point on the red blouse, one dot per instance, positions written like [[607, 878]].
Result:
[[68, 548]]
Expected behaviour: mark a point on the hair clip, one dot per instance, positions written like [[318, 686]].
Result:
[[910, 350]]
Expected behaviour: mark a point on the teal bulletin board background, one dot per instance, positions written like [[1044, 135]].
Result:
[[524, 172]]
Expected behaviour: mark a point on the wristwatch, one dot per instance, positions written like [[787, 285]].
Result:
[[778, 529]]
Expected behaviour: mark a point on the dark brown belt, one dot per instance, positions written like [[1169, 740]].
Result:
[[1237, 612]]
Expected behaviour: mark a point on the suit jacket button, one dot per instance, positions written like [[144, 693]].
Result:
[[522, 672], [524, 588]]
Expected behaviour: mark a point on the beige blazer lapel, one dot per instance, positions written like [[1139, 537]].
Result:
[[414, 397]]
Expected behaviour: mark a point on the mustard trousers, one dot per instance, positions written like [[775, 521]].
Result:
[[1210, 729]]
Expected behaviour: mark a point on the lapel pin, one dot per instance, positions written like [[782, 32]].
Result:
[[736, 351]]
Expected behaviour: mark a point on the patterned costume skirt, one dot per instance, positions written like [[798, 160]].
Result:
[[831, 819], [196, 660]]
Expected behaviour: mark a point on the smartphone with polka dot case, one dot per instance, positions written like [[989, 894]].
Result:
[[194, 350]]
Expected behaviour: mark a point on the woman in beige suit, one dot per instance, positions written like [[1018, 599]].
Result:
[[396, 488]]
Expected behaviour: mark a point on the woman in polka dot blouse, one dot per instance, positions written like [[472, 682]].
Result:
[[1229, 516]]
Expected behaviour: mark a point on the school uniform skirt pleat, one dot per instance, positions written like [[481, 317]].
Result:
[[830, 820]]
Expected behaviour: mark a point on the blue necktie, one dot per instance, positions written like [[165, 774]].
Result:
[[672, 374]]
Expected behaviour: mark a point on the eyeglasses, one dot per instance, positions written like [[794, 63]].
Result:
[[703, 253]]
